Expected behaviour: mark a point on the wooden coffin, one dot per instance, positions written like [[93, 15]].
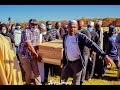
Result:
[[51, 52]]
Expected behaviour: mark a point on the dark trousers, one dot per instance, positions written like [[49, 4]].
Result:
[[90, 67], [75, 68], [100, 66], [83, 74], [116, 63], [49, 67]]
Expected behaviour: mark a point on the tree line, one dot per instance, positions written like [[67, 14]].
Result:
[[105, 21]]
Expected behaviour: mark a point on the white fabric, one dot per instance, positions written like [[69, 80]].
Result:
[[101, 38], [99, 22], [41, 65], [73, 51], [74, 21], [91, 23], [41, 38], [42, 26], [41, 70], [17, 37]]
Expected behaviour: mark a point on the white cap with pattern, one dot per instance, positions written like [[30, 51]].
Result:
[[91, 23], [74, 21], [99, 22], [42, 26]]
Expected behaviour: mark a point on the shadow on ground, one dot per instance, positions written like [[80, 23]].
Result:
[[109, 78]]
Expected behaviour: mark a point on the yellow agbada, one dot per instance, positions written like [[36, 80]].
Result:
[[10, 72]]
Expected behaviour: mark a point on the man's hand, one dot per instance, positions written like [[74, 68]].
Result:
[[39, 58], [108, 60], [93, 54], [35, 55]]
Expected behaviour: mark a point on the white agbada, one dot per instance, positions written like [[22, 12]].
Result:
[[41, 65]]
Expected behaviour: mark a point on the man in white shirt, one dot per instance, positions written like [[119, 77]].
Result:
[[17, 38], [73, 55]]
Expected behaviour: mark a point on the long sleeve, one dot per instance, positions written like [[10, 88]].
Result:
[[92, 45], [117, 41]]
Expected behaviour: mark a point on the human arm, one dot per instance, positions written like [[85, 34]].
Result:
[[92, 45], [29, 44]]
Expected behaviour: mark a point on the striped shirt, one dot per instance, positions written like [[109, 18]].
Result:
[[54, 33]]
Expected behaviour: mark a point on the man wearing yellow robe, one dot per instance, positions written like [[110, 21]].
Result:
[[10, 72]]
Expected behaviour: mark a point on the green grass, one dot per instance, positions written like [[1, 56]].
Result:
[[110, 78]]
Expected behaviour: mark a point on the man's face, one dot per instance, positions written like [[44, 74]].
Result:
[[58, 25], [34, 26], [97, 27], [80, 24], [42, 30], [49, 23], [72, 28]]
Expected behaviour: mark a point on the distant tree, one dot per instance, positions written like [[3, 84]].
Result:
[[105, 23], [117, 23], [42, 22], [64, 22]]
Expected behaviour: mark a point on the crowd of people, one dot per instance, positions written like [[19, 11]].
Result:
[[88, 49]]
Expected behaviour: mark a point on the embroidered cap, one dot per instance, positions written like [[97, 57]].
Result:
[[42, 26], [91, 23]]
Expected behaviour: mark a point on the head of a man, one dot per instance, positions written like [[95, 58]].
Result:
[[57, 25], [80, 24], [90, 26], [18, 26], [34, 23], [66, 28], [30, 22], [42, 28], [49, 25], [98, 25], [72, 27], [112, 29]]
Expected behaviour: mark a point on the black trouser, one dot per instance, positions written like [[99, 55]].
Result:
[[83, 74], [74, 67], [116, 63], [90, 67], [52, 69], [100, 66]]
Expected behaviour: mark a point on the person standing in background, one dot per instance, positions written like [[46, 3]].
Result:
[[65, 28], [81, 29], [59, 29], [17, 38], [92, 58], [100, 66], [12, 29], [42, 29], [112, 49]]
